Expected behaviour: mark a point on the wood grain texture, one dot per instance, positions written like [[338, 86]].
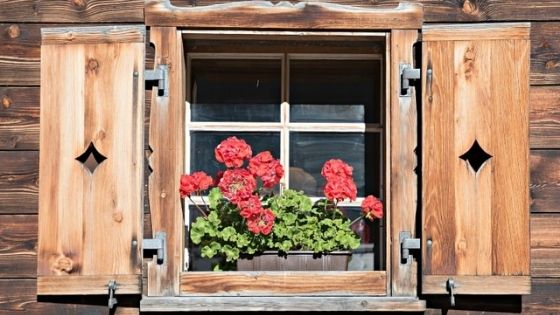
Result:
[[281, 304], [545, 245], [545, 53], [92, 35], [283, 15], [83, 213], [18, 246], [75, 11], [20, 297], [19, 118], [19, 182], [20, 54], [451, 10], [545, 181], [472, 285], [403, 161], [544, 117], [477, 221], [88, 284], [465, 32], [333, 283], [166, 141]]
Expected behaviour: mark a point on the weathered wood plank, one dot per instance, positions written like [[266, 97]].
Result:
[[545, 52], [19, 56], [18, 246], [283, 283], [166, 161], [20, 53], [545, 181], [544, 117], [92, 35], [75, 11], [471, 285], [19, 118], [19, 176], [403, 192], [451, 10], [284, 15], [545, 245], [465, 32], [281, 304], [20, 297], [88, 284]]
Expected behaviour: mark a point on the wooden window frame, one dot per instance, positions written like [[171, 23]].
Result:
[[167, 284]]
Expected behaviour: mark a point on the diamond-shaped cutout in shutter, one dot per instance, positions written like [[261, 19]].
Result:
[[475, 156], [91, 158]]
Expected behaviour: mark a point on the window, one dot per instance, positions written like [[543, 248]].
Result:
[[306, 104]]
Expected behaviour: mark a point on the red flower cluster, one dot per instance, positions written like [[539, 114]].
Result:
[[262, 222], [250, 207], [335, 168], [237, 185], [340, 184], [372, 208], [267, 168], [233, 152], [195, 182]]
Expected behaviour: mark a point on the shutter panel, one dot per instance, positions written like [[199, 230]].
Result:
[[475, 176], [91, 160]]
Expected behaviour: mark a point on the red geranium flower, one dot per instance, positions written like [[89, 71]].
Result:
[[250, 207], [267, 168], [372, 208], [237, 185], [193, 183], [261, 223], [335, 168], [232, 152], [340, 188]]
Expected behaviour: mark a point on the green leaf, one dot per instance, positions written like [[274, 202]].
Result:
[[214, 197]]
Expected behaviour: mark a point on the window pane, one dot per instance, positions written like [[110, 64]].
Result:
[[368, 255], [236, 90], [335, 91], [203, 144], [309, 151]]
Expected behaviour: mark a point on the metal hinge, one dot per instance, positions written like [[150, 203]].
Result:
[[156, 244], [408, 73], [161, 75], [407, 243], [112, 287]]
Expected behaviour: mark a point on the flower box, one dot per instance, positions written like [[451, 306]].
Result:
[[295, 261]]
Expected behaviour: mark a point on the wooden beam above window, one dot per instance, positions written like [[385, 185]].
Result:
[[284, 15]]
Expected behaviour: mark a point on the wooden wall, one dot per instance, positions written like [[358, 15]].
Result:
[[20, 23]]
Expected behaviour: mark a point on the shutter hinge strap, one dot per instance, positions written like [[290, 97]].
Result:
[[408, 73], [112, 287], [407, 243], [156, 244], [161, 75]]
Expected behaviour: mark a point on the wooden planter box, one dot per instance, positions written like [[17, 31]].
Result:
[[295, 261]]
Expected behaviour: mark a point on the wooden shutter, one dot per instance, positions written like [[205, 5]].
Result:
[[475, 167], [91, 160]]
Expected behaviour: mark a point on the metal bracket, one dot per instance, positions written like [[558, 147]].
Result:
[[156, 244], [408, 73], [450, 286], [161, 75], [407, 243], [112, 287]]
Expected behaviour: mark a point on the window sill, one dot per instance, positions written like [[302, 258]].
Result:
[[282, 304]]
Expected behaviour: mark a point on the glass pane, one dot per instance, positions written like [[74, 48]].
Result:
[[236, 90], [309, 151], [203, 144], [372, 235], [335, 91]]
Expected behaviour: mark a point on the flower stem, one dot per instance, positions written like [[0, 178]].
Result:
[[356, 220], [199, 209]]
